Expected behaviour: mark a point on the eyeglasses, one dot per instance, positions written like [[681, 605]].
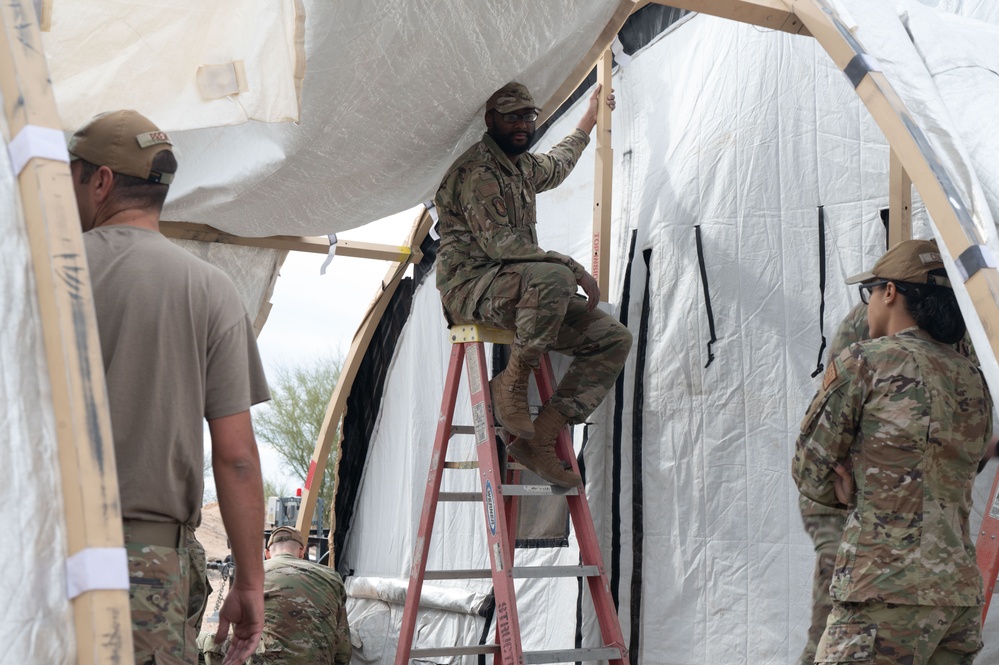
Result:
[[510, 118], [868, 288]]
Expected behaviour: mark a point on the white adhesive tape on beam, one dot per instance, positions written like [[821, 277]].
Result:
[[96, 569], [34, 141]]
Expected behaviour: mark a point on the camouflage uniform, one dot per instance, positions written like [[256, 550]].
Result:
[[911, 417], [824, 524], [491, 270], [168, 592], [305, 617]]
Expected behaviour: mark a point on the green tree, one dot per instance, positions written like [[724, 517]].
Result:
[[291, 421]]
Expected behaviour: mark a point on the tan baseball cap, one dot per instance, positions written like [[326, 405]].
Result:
[[511, 97], [284, 533], [124, 141], [909, 261]]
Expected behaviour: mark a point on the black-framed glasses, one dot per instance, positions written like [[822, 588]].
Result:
[[868, 288], [510, 118]]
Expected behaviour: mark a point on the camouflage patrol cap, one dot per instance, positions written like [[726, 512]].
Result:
[[285, 533], [511, 97], [124, 141], [910, 261]]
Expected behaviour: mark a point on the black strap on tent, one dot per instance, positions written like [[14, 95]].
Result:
[[819, 367], [707, 293]]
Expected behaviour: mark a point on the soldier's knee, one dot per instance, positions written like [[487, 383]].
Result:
[[555, 281], [622, 339]]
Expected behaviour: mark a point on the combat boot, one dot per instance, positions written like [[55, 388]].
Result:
[[509, 391], [538, 454]]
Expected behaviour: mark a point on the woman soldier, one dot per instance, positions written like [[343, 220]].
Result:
[[895, 434]]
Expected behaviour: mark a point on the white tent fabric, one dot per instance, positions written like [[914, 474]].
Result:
[[110, 54], [394, 91], [745, 133], [33, 583]]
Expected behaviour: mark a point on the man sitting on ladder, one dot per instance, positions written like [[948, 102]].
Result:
[[490, 270]]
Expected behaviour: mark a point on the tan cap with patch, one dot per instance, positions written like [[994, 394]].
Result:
[[283, 533], [909, 261], [124, 141], [511, 97]]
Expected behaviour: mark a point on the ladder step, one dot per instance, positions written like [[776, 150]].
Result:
[[460, 496], [513, 490], [530, 657], [539, 490], [519, 572], [571, 655]]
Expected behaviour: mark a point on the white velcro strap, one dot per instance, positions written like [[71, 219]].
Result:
[[217, 81], [329, 255], [620, 57], [34, 141], [432, 209], [96, 569]]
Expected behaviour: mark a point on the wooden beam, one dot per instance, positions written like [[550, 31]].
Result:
[[315, 244], [352, 363], [899, 202], [773, 14], [603, 179], [91, 505]]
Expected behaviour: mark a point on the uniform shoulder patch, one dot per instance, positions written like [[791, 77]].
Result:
[[488, 189], [830, 376]]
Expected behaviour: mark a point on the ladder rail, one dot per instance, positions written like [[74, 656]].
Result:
[[987, 545], [499, 545], [586, 534], [429, 511]]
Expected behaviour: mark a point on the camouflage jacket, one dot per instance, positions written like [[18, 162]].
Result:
[[853, 328], [487, 209], [911, 417], [305, 613]]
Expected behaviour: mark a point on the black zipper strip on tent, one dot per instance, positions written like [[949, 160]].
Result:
[[707, 293], [638, 490], [615, 551], [819, 367], [578, 640], [487, 613], [364, 401]]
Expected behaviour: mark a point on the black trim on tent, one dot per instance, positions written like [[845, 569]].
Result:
[[615, 550], [638, 491], [707, 293], [365, 399], [819, 367], [487, 613]]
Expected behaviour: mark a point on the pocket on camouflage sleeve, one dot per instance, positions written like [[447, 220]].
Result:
[[847, 643]]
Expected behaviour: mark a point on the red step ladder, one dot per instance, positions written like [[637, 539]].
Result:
[[987, 546], [499, 499]]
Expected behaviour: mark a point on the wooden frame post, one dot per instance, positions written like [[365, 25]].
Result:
[[352, 363], [83, 424], [899, 202], [603, 179]]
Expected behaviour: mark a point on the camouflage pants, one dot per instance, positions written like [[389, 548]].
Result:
[[826, 532], [888, 634], [168, 592], [539, 301]]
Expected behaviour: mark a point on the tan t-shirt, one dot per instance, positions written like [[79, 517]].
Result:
[[178, 347]]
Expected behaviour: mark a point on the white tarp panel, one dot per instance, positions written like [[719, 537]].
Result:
[[395, 90], [744, 132], [109, 54], [35, 618]]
